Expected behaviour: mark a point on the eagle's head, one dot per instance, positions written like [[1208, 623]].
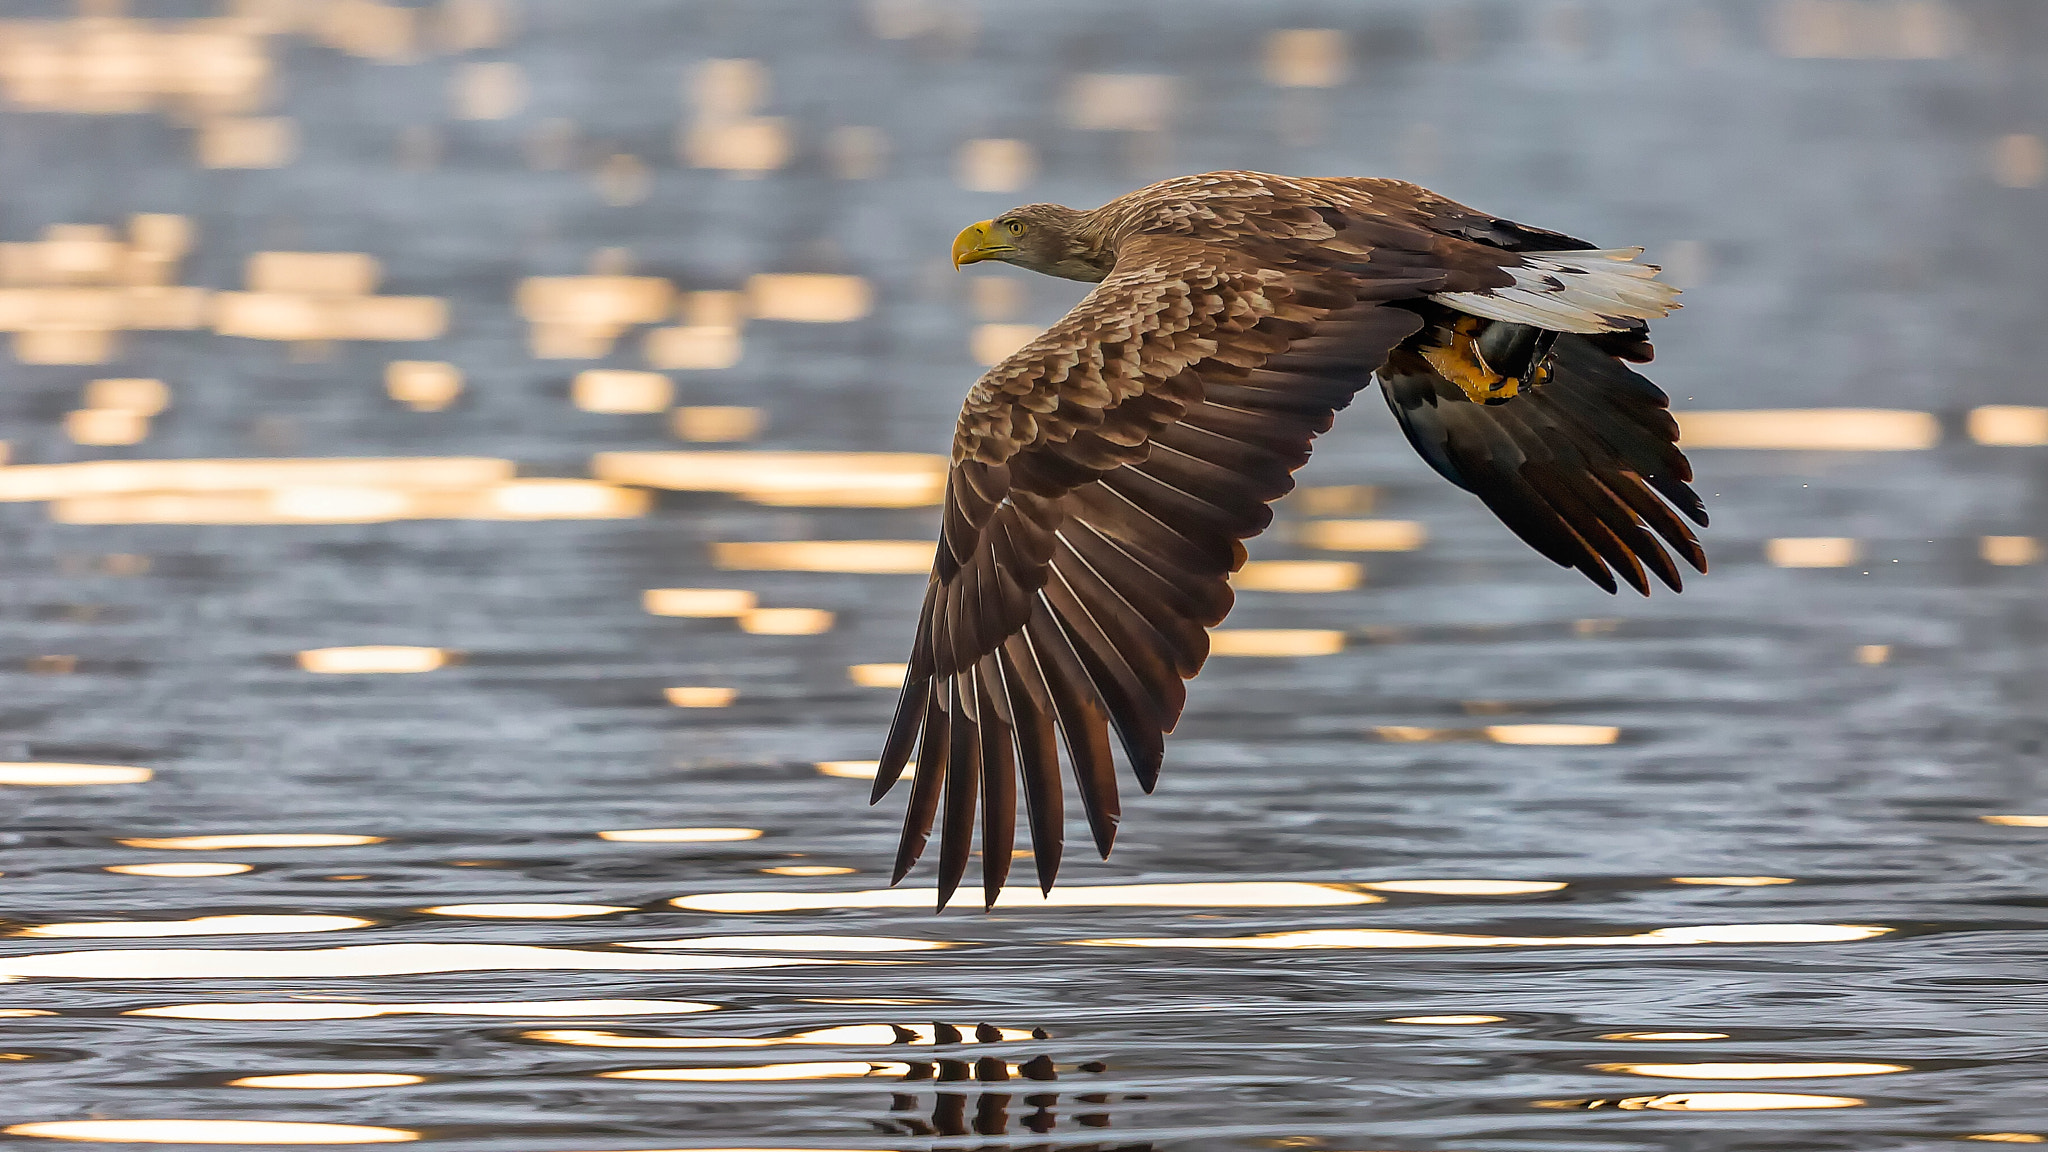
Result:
[[1049, 238]]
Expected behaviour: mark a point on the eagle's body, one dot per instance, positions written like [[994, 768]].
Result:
[[1105, 475]]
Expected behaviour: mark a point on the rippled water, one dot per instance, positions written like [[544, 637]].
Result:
[[1782, 893]]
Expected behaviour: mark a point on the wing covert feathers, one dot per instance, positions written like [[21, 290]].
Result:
[[1105, 476]]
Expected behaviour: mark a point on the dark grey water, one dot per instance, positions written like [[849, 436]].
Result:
[[1769, 914]]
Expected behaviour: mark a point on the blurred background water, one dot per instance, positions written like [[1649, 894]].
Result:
[[478, 760]]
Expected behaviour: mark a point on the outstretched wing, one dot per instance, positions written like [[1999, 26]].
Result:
[[1575, 466], [1103, 478]]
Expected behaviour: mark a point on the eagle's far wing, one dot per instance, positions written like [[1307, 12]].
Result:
[[1574, 466], [1103, 478]]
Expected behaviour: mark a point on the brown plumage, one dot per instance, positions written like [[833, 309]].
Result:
[[1105, 476]]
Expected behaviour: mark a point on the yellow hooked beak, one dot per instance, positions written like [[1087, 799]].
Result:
[[974, 244]]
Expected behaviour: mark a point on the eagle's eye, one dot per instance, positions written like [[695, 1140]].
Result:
[[1016, 227]]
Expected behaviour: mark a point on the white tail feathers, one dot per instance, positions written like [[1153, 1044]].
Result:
[[1597, 290]]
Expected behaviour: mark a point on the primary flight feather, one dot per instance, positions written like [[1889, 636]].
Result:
[[1105, 475]]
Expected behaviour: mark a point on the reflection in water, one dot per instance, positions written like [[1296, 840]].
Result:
[[328, 1080], [174, 869], [679, 835], [212, 1132], [1780, 1071], [1735, 881], [1711, 1102], [1401, 938], [818, 1070], [201, 926], [1475, 1019], [1231, 894], [256, 840], [841, 1036], [359, 960], [526, 911], [799, 943], [2016, 821], [1663, 1036], [1466, 887], [70, 775], [315, 1010], [791, 479], [370, 659]]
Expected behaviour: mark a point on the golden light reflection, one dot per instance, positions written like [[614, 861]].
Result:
[[1735, 881], [808, 297], [362, 960], [423, 385], [717, 423], [1813, 429], [1225, 894], [331, 1010], [1466, 887], [328, 1080], [842, 1036], [1553, 733], [617, 390], [373, 658], [1733, 1102], [878, 675], [858, 769], [700, 696], [1664, 1036], [1403, 938], [1306, 58], [790, 479], [1734, 1071], [70, 775], [1872, 655], [253, 840], [537, 499], [103, 477], [786, 621], [105, 427], [526, 911], [1121, 101], [2009, 551], [1812, 551], [994, 164], [808, 870], [1364, 535], [993, 343], [818, 1070], [679, 835], [200, 926], [693, 347], [799, 943], [2009, 425], [212, 1132], [704, 603], [2017, 821], [581, 317], [1275, 642], [2009, 1137], [1475, 1019], [195, 868], [1417, 734], [25, 1012], [1299, 576], [864, 556]]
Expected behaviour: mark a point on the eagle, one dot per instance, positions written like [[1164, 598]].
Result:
[[1104, 477]]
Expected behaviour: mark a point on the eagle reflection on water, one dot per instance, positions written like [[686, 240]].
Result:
[[991, 1096]]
